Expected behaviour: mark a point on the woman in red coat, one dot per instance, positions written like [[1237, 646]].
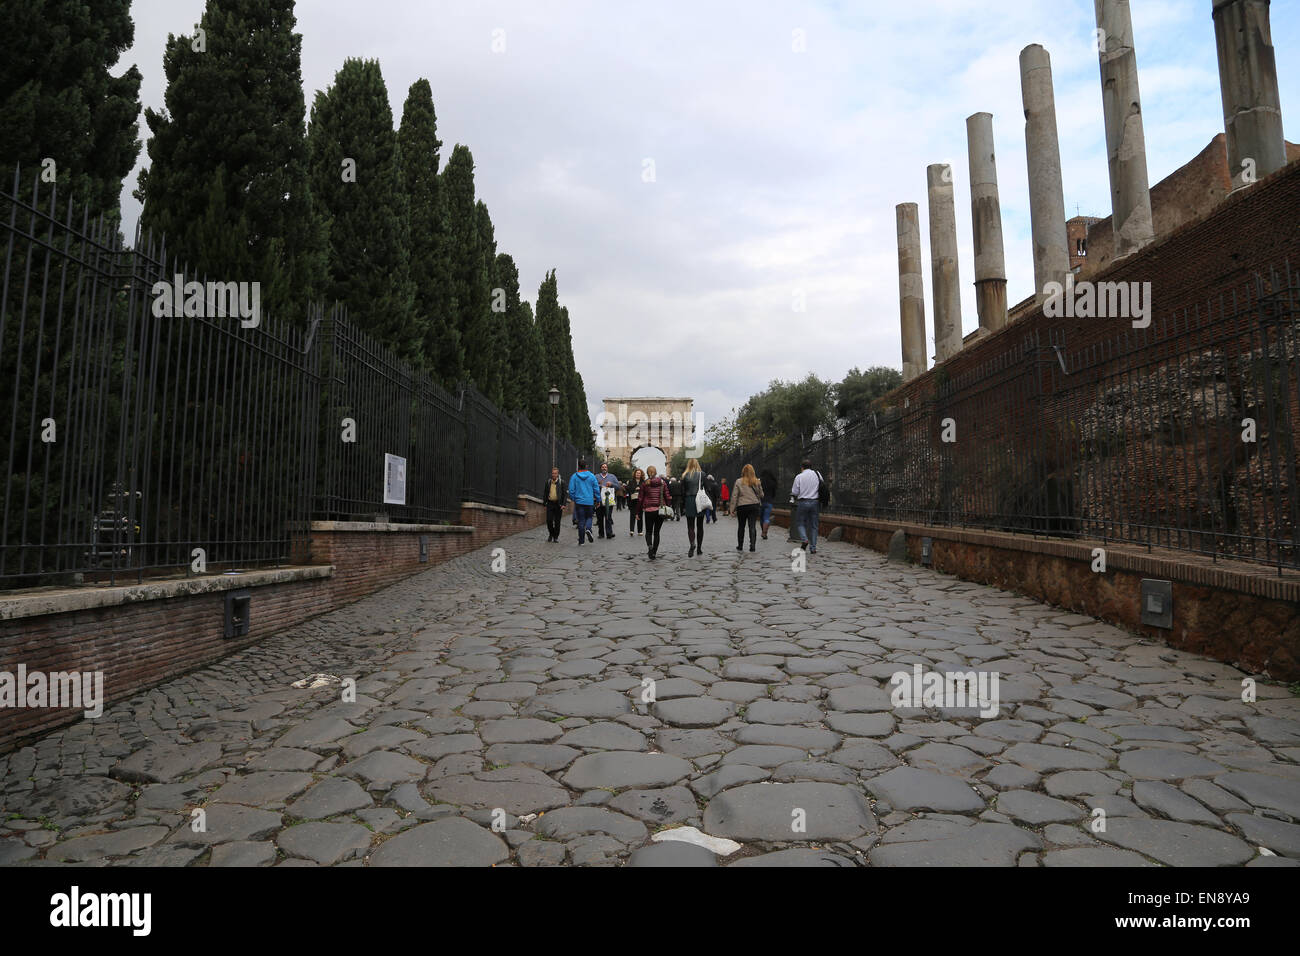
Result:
[[725, 495]]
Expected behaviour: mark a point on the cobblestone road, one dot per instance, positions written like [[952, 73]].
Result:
[[499, 719]]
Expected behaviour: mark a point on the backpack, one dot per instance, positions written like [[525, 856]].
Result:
[[823, 491]]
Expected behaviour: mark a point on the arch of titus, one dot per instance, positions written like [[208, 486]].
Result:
[[631, 423]]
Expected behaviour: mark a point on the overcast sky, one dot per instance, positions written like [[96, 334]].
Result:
[[776, 172]]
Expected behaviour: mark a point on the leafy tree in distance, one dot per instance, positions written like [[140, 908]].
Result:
[[232, 138], [59, 100], [854, 395], [417, 138], [787, 409], [357, 176]]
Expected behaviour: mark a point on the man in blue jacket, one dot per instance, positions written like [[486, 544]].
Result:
[[584, 491]]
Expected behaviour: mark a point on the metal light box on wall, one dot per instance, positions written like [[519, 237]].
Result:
[[927, 551], [239, 607], [1157, 603]]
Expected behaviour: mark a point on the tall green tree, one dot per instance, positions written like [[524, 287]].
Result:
[[356, 174], [524, 387], [235, 117], [787, 409], [470, 292], [419, 146], [854, 395], [550, 338], [60, 102], [579, 417], [487, 342]]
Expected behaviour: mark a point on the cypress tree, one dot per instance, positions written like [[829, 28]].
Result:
[[524, 388], [356, 174], [579, 419], [487, 341], [430, 225], [469, 293], [235, 116], [553, 342], [59, 101]]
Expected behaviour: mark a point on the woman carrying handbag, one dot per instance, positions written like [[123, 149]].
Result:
[[654, 499], [695, 502]]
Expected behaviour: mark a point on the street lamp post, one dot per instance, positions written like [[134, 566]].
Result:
[[555, 403]]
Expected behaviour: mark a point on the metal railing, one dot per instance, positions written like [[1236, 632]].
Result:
[[1178, 436], [139, 444]]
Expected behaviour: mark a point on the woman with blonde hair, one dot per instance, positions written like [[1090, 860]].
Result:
[[747, 496], [692, 482]]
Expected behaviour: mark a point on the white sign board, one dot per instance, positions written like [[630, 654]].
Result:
[[394, 480]]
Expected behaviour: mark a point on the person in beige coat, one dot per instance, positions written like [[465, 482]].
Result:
[[747, 502]]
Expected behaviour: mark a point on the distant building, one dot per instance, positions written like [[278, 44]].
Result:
[[1076, 230], [646, 430]]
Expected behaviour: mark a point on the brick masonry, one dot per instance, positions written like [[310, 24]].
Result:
[[1240, 614], [138, 642]]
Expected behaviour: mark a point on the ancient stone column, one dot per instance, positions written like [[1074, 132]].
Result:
[[1130, 192], [986, 221], [1252, 109], [945, 284], [1043, 156], [911, 290]]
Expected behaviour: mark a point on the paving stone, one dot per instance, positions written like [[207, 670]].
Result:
[[615, 770], [694, 711], [14, 851], [805, 738], [673, 853], [605, 735], [1010, 776], [771, 812], [861, 725], [568, 823], [1044, 758], [380, 771], [984, 844], [763, 756], [1280, 837], [1263, 790], [946, 758], [269, 789], [435, 748], [326, 843], [657, 807], [692, 743], [818, 771], [381, 738], [541, 853], [546, 757], [724, 777], [906, 788], [1158, 763], [454, 841], [1214, 797], [229, 823], [1094, 856], [796, 857], [1079, 783], [316, 733], [71, 797], [1171, 802], [1035, 809], [100, 845], [1176, 844], [518, 790], [328, 798], [166, 763], [243, 853], [740, 692], [1094, 695], [782, 712], [284, 758], [586, 702], [858, 698], [863, 756]]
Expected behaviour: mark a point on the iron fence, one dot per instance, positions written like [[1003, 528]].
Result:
[[1181, 436], [142, 444]]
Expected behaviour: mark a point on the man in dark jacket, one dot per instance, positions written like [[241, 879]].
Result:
[[555, 494], [675, 489]]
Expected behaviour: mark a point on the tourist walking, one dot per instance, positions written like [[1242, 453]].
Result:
[[675, 489], [555, 495], [654, 496], [692, 482], [605, 506], [583, 490], [769, 499], [807, 485], [711, 489], [749, 501], [635, 522], [725, 495]]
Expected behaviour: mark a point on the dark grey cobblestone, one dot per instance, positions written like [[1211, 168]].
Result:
[[566, 710]]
